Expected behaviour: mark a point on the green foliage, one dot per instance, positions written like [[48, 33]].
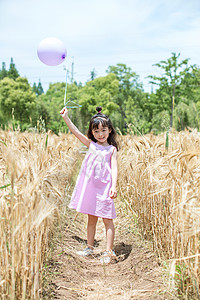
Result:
[[93, 74], [138, 114], [120, 93], [130, 94], [38, 89], [185, 282], [11, 73], [5, 186], [17, 101], [3, 71], [160, 121], [48, 106], [126, 77], [171, 83], [98, 92], [186, 115], [181, 116], [167, 140]]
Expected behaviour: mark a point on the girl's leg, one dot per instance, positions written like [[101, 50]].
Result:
[[110, 233], [91, 230]]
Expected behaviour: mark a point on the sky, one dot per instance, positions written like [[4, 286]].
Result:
[[97, 34]]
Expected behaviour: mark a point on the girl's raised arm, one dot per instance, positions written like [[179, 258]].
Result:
[[73, 128]]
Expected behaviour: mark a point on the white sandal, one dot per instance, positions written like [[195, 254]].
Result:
[[107, 257], [86, 252]]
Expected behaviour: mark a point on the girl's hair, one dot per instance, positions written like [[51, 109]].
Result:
[[105, 122]]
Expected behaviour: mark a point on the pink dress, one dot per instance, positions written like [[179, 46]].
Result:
[[91, 193]]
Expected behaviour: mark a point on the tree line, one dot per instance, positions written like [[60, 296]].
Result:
[[174, 102]]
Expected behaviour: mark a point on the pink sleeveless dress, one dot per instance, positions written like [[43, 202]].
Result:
[[91, 193]]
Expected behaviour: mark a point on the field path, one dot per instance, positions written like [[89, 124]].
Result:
[[136, 274]]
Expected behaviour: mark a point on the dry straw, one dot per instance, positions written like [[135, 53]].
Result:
[[162, 187], [33, 178]]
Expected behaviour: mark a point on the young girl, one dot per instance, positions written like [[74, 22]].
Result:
[[96, 183]]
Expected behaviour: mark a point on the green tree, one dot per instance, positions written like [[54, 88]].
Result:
[[93, 74], [12, 72], [49, 105], [169, 89], [160, 121], [52, 102], [38, 89], [98, 92], [35, 88], [190, 85], [3, 71], [194, 95], [17, 101], [138, 113], [130, 96], [181, 116]]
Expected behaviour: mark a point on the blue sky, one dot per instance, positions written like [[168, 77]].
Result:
[[97, 34]]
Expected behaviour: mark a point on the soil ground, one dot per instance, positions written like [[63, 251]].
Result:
[[135, 274]]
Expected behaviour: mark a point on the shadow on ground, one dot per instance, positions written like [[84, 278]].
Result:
[[122, 251], [83, 241]]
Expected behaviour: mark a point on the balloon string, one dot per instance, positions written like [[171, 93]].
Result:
[[71, 103], [65, 90]]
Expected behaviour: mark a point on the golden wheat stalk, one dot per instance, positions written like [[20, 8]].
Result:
[[162, 188], [33, 179]]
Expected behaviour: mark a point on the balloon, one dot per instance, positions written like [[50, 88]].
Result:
[[51, 51]]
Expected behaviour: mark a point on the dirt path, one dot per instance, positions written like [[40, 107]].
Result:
[[135, 274]]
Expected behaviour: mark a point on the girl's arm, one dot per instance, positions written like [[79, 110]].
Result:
[[73, 128], [113, 190]]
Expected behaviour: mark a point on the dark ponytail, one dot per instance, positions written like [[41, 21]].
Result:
[[98, 109]]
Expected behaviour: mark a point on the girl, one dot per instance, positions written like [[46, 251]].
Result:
[[96, 183]]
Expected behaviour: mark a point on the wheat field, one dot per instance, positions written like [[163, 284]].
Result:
[[35, 174], [161, 187]]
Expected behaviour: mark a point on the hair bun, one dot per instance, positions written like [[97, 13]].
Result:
[[98, 109]]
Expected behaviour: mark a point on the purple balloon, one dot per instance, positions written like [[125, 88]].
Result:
[[51, 51]]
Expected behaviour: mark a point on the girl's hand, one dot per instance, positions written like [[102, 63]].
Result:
[[64, 112], [113, 192]]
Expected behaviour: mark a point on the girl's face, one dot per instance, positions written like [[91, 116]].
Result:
[[101, 134]]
